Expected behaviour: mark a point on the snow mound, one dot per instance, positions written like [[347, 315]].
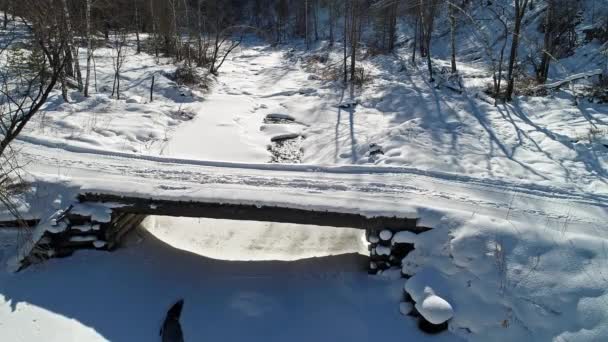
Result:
[[435, 309], [431, 306], [386, 235], [404, 237], [405, 308], [135, 99]]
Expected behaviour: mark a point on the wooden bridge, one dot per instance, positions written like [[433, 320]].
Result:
[[73, 229]]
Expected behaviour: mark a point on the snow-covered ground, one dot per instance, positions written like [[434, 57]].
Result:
[[517, 196], [123, 296]]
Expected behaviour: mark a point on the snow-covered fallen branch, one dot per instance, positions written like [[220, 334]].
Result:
[[569, 79]]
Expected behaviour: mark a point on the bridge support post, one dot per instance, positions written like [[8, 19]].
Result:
[[388, 248]]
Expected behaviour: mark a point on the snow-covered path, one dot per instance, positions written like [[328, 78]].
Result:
[[229, 122], [367, 190]]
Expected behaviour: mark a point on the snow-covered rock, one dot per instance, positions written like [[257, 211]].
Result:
[[99, 244], [348, 104], [432, 307], [135, 99], [386, 235], [435, 309], [383, 250], [373, 239], [405, 308]]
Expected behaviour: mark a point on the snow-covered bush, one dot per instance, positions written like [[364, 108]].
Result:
[[192, 76]]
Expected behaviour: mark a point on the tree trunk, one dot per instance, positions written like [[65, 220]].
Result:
[[306, 24], [89, 47], [416, 32], [345, 42], [137, 26], [520, 11], [315, 19], [71, 50], [64, 87], [548, 42], [452, 15], [152, 89], [392, 28], [5, 10], [353, 40], [331, 24], [154, 30]]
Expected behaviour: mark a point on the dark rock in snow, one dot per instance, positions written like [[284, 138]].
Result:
[[171, 330], [375, 149], [348, 104]]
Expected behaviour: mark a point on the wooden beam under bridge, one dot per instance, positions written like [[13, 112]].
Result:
[[248, 212]]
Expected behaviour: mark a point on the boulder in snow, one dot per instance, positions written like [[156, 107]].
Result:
[[348, 104], [383, 251], [135, 99], [435, 309], [375, 149], [372, 238], [386, 235]]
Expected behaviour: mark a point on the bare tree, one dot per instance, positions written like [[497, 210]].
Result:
[[497, 66], [428, 12], [71, 50], [118, 59], [452, 18], [5, 9], [223, 45], [27, 84], [520, 12]]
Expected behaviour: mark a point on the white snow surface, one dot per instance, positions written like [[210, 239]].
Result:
[[404, 237]]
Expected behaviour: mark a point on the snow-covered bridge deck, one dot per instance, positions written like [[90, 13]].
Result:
[[127, 187]]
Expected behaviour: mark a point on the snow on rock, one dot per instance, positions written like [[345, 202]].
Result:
[[386, 235], [135, 99], [405, 308], [99, 244], [86, 227], [348, 104], [86, 238], [373, 239], [435, 309], [383, 250], [431, 306], [404, 237]]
